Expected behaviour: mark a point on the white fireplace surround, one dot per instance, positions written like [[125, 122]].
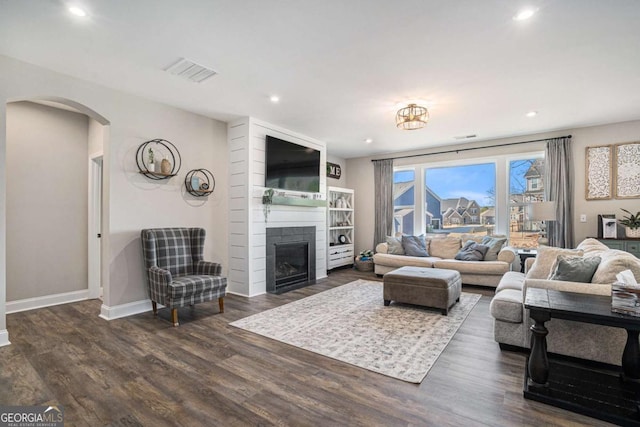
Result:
[[247, 228]]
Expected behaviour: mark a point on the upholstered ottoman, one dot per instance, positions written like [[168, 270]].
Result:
[[428, 287]]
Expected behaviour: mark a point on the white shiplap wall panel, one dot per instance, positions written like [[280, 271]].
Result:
[[247, 238]]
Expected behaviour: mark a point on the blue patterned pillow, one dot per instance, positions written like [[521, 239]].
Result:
[[495, 244], [414, 246], [394, 246]]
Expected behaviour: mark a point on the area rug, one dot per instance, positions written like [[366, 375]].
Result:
[[350, 323]]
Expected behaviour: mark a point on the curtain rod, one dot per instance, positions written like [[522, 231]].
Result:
[[469, 149]]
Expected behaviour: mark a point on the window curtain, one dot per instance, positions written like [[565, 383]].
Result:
[[558, 182], [383, 187]]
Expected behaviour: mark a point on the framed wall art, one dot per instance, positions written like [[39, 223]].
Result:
[[627, 170], [599, 177]]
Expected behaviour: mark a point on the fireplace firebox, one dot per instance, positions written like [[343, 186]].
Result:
[[290, 258], [292, 264]]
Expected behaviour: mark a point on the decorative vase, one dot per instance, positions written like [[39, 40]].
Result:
[[151, 167], [165, 166], [632, 233]]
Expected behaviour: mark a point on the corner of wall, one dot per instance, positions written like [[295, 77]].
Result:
[[4, 338], [124, 310]]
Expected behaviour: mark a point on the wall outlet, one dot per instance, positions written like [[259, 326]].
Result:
[[583, 218]]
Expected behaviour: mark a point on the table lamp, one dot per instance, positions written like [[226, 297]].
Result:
[[542, 211]]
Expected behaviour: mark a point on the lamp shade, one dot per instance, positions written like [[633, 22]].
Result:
[[542, 211]]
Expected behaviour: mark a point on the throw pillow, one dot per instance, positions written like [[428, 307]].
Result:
[[472, 251], [546, 258], [613, 262], [414, 246], [445, 248], [592, 247], [495, 244], [394, 245], [574, 268]]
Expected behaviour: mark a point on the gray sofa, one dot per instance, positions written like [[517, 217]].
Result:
[[442, 251], [585, 341]]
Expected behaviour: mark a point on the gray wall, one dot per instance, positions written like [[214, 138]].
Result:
[[342, 182], [361, 174], [131, 201], [46, 201]]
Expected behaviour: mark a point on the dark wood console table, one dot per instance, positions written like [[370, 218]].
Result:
[[599, 393]]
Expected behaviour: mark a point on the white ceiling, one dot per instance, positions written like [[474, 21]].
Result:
[[340, 67]]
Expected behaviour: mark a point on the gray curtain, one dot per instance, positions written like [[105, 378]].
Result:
[[558, 183], [383, 187]]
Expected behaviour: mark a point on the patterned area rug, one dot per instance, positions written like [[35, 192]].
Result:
[[350, 323]]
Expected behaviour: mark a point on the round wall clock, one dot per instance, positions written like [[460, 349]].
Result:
[[342, 238]]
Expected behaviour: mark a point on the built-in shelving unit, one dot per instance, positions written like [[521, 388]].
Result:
[[340, 227]]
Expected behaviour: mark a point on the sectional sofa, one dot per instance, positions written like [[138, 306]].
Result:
[[582, 340], [442, 251]]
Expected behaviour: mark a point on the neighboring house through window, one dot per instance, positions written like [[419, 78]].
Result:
[[465, 196]]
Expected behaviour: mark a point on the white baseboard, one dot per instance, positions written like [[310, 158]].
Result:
[[124, 310], [46, 301], [238, 294], [4, 337]]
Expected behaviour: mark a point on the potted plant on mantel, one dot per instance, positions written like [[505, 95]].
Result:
[[631, 223], [267, 201]]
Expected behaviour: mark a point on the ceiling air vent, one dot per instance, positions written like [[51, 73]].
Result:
[[191, 71], [465, 136]]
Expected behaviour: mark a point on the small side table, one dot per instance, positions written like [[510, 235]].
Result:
[[524, 254]]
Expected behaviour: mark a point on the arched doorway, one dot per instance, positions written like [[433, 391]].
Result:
[[45, 208]]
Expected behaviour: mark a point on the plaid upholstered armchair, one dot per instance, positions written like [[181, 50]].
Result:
[[176, 273]]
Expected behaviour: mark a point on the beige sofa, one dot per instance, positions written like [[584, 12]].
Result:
[[443, 251], [582, 340]]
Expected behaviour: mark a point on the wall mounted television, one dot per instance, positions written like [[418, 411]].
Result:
[[290, 166]]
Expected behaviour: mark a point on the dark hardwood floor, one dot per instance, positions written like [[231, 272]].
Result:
[[142, 371]]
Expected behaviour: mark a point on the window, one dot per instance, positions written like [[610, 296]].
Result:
[[481, 195], [526, 185], [404, 200], [457, 194]]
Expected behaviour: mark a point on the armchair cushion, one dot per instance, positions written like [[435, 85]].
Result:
[[186, 286]]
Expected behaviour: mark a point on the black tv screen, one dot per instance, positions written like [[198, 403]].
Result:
[[290, 166]]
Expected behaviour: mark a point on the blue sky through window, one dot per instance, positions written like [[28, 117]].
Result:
[[470, 181], [473, 182]]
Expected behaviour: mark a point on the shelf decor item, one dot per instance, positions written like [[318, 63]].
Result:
[[148, 154], [165, 166], [631, 223], [199, 182], [151, 158]]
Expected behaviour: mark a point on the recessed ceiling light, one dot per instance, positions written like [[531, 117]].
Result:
[[368, 140], [531, 114], [275, 99], [77, 11], [525, 14]]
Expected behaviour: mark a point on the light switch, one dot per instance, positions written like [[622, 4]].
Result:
[[583, 218]]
